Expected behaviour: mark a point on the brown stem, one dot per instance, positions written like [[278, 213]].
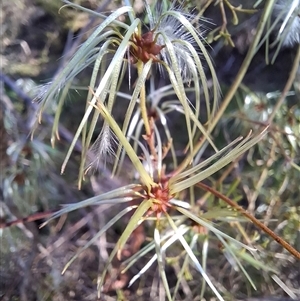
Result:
[[259, 224], [28, 219]]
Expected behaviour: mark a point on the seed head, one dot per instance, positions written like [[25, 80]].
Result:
[[174, 26]]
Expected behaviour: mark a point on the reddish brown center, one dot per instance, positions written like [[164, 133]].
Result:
[[145, 47], [161, 196]]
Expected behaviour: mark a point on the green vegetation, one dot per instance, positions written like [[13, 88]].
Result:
[[188, 188]]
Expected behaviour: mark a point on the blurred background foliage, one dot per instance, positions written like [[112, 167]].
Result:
[[36, 41]]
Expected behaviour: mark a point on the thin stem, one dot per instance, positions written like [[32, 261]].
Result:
[[263, 177], [287, 86], [30, 218], [224, 18], [203, 9], [143, 106], [259, 224], [144, 175], [251, 52]]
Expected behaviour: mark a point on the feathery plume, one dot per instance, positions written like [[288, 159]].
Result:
[[288, 12]]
